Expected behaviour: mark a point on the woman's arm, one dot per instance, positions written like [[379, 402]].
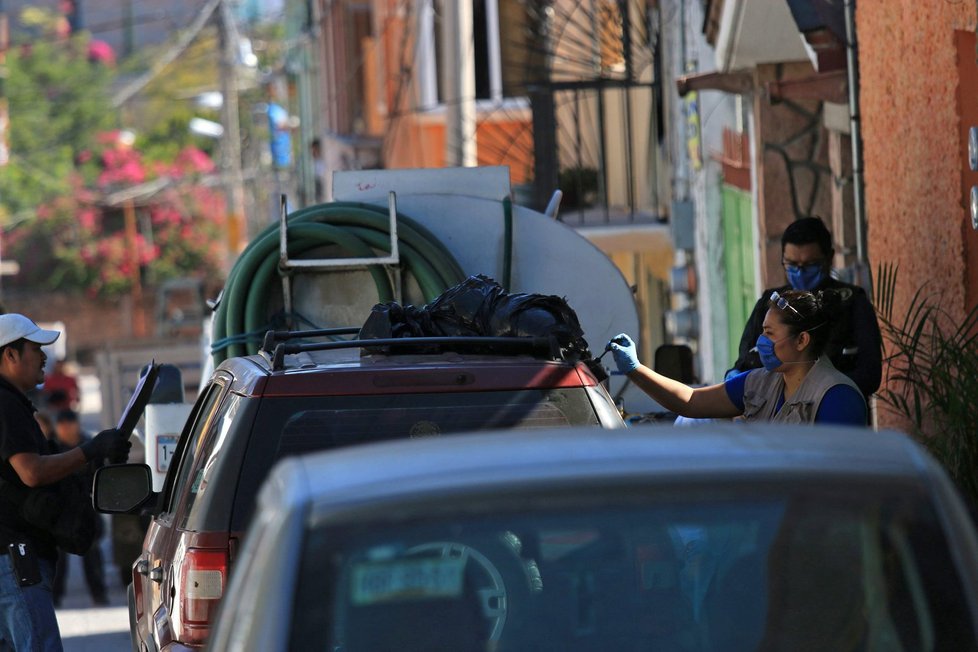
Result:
[[699, 403]]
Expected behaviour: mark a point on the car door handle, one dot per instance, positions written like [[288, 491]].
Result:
[[142, 567], [156, 574]]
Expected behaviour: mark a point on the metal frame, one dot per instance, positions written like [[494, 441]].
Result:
[[287, 267], [276, 344]]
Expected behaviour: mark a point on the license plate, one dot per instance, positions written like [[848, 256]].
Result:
[[166, 445], [407, 579]]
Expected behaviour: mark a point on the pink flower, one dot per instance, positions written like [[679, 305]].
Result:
[[195, 160], [101, 52], [88, 219], [108, 137]]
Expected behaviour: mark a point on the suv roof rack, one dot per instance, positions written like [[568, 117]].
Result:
[[272, 338], [541, 347]]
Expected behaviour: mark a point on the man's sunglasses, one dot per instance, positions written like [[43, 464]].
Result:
[[795, 267]]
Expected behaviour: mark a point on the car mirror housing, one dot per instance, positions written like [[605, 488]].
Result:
[[123, 488]]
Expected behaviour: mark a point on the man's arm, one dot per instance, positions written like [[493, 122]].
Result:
[[748, 340], [867, 368], [38, 470]]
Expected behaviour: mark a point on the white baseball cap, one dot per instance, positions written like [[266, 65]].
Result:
[[14, 327]]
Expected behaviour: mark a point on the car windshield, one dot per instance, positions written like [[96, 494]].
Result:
[[693, 570]]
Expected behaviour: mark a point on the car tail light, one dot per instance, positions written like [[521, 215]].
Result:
[[203, 576]]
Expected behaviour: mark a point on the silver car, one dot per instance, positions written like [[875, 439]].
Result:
[[700, 539]]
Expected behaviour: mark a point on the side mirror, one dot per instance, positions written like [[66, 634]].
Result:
[[123, 488]]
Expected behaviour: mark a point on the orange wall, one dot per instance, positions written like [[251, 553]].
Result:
[[912, 149], [419, 142]]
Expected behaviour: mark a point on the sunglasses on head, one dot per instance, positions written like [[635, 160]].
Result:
[[783, 304]]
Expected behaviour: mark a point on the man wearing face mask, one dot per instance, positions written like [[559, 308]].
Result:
[[854, 348]]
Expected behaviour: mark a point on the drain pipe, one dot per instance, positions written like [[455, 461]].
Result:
[[859, 202]]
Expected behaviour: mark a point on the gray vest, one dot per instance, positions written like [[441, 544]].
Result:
[[763, 388]]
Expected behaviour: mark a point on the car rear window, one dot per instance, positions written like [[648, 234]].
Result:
[[314, 424], [297, 425], [691, 570]]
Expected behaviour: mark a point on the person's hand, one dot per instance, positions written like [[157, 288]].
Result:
[[623, 349], [107, 444]]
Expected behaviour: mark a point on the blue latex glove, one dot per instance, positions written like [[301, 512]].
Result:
[[623, 349]]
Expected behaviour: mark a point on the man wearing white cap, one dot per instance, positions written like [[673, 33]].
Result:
[[28, 552]]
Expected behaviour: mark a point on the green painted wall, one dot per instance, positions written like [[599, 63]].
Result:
[[737, 216]]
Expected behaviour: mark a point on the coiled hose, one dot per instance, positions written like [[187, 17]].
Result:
[[359, 230]]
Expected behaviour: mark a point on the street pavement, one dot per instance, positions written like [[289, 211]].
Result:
[[85, 627]]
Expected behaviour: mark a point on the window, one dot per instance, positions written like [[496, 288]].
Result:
[[500, 60], [190, 443], [207, 455], [311, 425]]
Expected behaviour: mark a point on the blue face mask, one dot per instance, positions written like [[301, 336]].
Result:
[[765, 349], [807, 277]]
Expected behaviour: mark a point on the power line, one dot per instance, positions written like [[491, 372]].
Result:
[[168, 57], [98, 28]]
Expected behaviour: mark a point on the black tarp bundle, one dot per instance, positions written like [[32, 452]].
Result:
[[480, 307]]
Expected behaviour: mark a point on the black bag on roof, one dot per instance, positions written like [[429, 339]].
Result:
[[480, 307]]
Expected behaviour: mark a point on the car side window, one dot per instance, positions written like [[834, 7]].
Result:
[[206, 455], [194, 440]]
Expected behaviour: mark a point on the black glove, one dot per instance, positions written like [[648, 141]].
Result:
[[107, 444]]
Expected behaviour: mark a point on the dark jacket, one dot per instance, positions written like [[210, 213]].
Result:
[[19, 433], [855, 346]]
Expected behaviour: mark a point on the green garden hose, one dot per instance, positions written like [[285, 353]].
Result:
[[358, 230]]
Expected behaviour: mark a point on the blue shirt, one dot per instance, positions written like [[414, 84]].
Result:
[[281, 140], [842, 404]]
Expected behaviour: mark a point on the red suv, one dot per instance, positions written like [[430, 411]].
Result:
[[298, 396]]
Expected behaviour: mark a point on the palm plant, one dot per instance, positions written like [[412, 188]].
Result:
[[931, 376]]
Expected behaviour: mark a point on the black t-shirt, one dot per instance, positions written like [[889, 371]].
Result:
[[19, 433]]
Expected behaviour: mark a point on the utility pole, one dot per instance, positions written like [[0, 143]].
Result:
[[541, 93], [127, 29], [136, 291], [231, 143], [458, 82]]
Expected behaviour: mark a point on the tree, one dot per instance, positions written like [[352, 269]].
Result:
[[78, 240], [59, 197], [161, 112], [58, 103]]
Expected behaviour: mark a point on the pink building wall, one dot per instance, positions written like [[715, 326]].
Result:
[[914, 157]]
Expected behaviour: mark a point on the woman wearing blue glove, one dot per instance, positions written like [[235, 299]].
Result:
[[795, 385]]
